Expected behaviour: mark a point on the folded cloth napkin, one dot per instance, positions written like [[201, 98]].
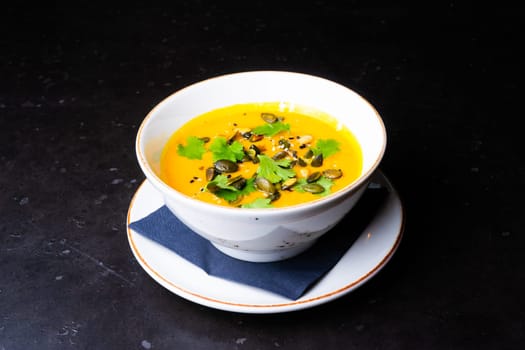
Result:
[[290, 278]]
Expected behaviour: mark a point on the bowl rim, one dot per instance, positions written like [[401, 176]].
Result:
[[257, 212]]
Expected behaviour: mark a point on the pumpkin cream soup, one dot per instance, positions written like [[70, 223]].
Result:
[[261, 155]]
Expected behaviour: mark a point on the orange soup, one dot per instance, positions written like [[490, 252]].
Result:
[[261, 155]]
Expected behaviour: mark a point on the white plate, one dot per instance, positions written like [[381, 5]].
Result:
[[369, 253]]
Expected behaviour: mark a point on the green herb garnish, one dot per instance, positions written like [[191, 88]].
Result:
[[222, 150], [194, 148], [274, 170], [221, 188], [271, 129], [326, 147], [221, 182], [258, 203], [323, 181]]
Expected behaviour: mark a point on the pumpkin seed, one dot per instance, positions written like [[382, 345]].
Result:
[[313, 188], [238, 182], [264, 185], [255, 138], [212, 187], [333, 173], [210, 173], [309, 154], [301, 162], [256, 149], [252, 153], [274, 196], [288, 183], [226, 166], [313, 177], [269, 117], [280, 155], [317, 161]]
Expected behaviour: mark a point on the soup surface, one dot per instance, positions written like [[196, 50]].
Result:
[[261, 155]]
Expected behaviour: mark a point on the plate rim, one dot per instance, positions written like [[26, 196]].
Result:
[[290, 305]]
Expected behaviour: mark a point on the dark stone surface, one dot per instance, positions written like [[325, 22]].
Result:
[[76, 82]]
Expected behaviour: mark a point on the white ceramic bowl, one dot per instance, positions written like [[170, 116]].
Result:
[[262, 235]]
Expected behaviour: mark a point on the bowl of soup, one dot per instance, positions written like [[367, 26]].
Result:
[[261, 163]]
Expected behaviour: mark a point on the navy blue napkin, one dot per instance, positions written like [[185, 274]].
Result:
[[290, 278]]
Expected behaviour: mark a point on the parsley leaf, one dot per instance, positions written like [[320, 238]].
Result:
[[258, 203], [219, 187], [326, 183], [220, 182], [230, 196], [194, 148], [222, 150], [271, 129], [323, 181], [274, 170], [326, 147]]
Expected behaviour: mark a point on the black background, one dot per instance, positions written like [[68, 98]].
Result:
[[75, 83]]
